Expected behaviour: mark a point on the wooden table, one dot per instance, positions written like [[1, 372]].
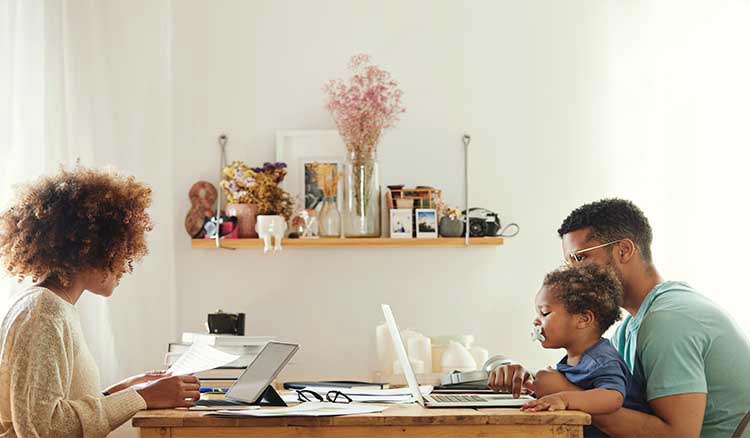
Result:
[[398, 420]]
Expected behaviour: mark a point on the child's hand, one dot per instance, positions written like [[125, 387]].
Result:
[[553, 402]]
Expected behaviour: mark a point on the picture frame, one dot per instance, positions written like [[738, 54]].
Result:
[[401, 223], [426, 221], [298, 148]]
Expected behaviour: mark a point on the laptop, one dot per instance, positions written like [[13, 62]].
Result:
[[254, 381], [454, 400]]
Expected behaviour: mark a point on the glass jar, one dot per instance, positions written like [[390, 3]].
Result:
[[329, 218], [361, 207]]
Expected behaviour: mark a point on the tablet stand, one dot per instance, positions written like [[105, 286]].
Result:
[[269, 398]]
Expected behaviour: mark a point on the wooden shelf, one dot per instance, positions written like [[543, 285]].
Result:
[[353, 242]]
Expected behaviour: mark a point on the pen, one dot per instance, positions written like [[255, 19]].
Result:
[[221, 390]]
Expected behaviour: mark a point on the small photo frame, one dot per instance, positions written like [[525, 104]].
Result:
[[401, 223], [313, 192], [426, 223]]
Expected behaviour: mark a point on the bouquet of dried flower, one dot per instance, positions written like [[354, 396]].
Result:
[[259, 186], [362, 107], [327, 177]]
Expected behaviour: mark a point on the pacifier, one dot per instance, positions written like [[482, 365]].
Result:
[[536, 334]]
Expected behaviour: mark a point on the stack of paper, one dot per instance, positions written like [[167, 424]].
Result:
[[397, 395], [305, 410]]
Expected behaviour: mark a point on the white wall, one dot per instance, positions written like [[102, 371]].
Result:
[[524, 78], [556, 121]]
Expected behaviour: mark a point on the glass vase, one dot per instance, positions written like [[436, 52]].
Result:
[[329, 218], [361, 200]]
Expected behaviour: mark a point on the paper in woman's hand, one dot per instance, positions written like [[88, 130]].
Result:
[[200, 358]]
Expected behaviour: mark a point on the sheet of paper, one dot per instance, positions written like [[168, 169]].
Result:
[[200, 358], [397, 395], [306, 410]]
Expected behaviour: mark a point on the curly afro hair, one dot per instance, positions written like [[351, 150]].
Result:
[[588, 287], [74, 221], [612, 219]]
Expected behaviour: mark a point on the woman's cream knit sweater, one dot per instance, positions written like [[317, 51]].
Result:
[[49, 383]]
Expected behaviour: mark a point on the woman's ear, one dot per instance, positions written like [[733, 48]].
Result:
[[104, 276], [585, 319]]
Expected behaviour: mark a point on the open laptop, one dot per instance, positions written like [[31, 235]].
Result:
[[444, 400], [254, 381]]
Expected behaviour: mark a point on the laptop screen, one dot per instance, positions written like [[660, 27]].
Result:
[[403, 359], [261, 372]]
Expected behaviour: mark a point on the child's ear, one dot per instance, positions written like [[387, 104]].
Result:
[[585, 319]]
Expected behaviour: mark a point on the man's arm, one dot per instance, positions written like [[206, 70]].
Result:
[[676, 415]]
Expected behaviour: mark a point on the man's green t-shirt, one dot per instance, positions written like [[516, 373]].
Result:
[[681, 342]]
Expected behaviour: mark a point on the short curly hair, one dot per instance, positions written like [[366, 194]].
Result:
[[588, 288], [612, 219], [73, 221]]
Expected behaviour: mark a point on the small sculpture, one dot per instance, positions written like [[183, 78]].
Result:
[[310, 217], [202, 205], [269, 227]]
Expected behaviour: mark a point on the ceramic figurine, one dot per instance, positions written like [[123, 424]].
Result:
[[271, 227]]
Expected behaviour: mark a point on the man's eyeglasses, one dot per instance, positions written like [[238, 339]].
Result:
[[306, 395], [575, 257]]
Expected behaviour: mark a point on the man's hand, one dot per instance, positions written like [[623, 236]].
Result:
[[510, 378], [554, 402], [137, 379]]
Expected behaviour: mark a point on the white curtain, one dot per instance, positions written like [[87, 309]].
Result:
[[91, 80]]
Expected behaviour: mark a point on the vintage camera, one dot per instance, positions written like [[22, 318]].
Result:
[[226, 323], [482, 222], [229, 228]]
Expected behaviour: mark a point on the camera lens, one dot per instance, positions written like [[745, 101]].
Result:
[[476, 227]]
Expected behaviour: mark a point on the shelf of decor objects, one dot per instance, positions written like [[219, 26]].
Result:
[[352, 242]]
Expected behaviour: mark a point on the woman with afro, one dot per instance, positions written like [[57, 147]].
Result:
[[76, 231]]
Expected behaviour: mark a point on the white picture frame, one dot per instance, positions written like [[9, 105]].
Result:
[[400, 223], [426, 223], [301, 146]]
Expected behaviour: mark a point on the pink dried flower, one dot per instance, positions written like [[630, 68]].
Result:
[[364, 106]]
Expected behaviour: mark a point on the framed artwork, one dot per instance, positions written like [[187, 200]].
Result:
[[401, 223], [299, 149], [426, 222]]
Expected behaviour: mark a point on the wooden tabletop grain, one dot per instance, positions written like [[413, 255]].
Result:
[[394, 415]]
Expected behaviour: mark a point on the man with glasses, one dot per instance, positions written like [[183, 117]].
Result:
[[691, 358]]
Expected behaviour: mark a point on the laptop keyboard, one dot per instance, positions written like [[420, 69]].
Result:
[[458, 398]]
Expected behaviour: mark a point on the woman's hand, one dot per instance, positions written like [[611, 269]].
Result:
[[135, 380], [171, 392], [554, 402]]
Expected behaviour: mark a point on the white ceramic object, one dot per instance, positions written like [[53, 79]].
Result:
[[440, 345], [384, 346], [416, 365], [407, 334], [420, 348], [480, 355], [457, 358], [268, 228]]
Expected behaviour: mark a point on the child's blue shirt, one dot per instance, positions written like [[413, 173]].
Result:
[[601, 366]]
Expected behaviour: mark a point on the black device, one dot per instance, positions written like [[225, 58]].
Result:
[[226, 323], [482, 222]]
